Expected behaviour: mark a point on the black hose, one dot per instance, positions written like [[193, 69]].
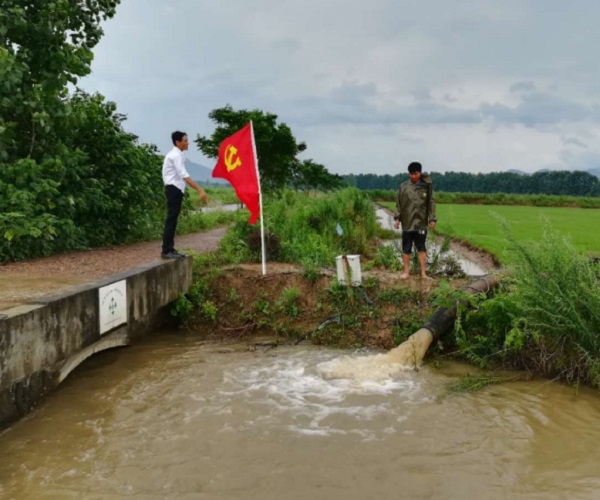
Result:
[[328, 321]]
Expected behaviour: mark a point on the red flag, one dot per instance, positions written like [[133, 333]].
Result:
[[236, 164]]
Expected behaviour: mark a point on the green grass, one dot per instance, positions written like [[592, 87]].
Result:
[[304, 229], [536, 200], [476, 224]]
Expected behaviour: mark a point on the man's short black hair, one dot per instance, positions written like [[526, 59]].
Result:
[[415, 166], [177, 136]]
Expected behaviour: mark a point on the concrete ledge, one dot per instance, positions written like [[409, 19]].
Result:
[[41, 342]]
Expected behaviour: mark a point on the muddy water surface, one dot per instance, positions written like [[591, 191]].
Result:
[[178, 418]]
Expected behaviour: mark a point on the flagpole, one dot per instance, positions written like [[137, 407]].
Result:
[[262, 227]]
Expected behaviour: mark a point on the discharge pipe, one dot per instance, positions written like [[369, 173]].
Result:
[[413, 350]]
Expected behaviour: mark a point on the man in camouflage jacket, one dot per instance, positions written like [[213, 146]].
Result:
[[415, 210]]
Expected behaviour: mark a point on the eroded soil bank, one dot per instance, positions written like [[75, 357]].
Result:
[[238, 301]]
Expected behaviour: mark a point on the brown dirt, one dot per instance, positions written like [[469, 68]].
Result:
[[484, 260], [239, 289], [23, 281]]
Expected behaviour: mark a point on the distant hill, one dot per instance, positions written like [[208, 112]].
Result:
[[202, 174], [515, 171]]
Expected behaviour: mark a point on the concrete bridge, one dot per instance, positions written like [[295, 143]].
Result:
[[58, 311]]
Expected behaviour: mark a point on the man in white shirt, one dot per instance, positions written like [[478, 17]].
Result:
[[175, 177]]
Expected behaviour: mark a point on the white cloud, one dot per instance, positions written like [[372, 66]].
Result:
[[473, 85]]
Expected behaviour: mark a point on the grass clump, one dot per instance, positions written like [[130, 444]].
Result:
[[546, 318], [311, 230]]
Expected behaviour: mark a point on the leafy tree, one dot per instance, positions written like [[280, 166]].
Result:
[[97, 186], [44, 45], [573, 183], [312, 175], [276, 147], [70, 176]]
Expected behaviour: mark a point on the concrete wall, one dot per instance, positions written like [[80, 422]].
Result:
[[42, 341]]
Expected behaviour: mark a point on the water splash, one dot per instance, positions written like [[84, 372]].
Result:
[[407, 356]]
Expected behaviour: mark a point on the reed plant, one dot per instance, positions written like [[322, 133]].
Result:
[[547, 318], [558, 292]]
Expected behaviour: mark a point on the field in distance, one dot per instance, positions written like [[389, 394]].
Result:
[[477, 225]]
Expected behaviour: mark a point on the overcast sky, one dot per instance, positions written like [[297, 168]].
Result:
[[369, 85]]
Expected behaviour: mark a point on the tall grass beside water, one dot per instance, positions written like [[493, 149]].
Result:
[[548, 317]]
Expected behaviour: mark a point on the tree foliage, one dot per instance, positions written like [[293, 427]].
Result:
[[573, 183], [311, 175], [44, 45], [70, 176], [276, 149]]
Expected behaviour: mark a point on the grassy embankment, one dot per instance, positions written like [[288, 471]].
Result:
[[545, 318], [305, 231]]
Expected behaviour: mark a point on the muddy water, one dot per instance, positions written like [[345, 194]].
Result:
[[177, 418]]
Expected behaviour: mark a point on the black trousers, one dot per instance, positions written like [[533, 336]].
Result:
[[174, 200]]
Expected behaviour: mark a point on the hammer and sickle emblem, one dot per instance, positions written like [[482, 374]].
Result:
[[232, 161]]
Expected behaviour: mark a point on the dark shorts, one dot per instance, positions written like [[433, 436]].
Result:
[[416, 237]]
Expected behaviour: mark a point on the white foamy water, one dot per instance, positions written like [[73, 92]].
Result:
[[369, 369], [296, 387], [406, 357]]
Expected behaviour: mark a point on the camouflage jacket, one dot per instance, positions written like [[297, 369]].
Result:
[[415, 206]]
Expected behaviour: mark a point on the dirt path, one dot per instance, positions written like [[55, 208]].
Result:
[[21, 282]]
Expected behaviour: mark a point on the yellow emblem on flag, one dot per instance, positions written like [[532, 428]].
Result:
[[230, 156]]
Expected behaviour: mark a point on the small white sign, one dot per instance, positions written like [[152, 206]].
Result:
[[113, 305]]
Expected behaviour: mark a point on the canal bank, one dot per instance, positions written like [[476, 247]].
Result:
[[55, 312], [42, 341]]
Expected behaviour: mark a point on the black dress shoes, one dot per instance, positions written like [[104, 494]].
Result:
[[171, 255]]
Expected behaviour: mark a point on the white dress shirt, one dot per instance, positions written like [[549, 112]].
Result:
[[173, 170]]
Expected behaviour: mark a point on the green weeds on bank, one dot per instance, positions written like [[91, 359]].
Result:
[[309, 230], [222, 300], [545, 317]]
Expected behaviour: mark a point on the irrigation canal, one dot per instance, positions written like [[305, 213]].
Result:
[[177, 417]]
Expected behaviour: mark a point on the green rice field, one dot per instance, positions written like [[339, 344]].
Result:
[[477, 225]]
